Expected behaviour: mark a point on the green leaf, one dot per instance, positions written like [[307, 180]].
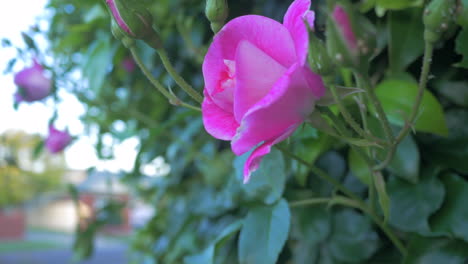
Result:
[[29, 41], [412, 204], [451, 152], [405, 162], [359, 167], [455, 91], [398, 4], [398, 97], [353, 239], [264, 233], [335, 166], [310, 149], [461, 47], [462, 18], [207, 256], [38, 149], [405, 38], [266, 184], [310, 228], [452, 218], [436, 251], [98, 62]]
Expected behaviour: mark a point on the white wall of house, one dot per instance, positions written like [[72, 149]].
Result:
[[60, 215]]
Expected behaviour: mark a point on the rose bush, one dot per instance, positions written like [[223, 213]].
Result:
[[32, 84], [258, 88]]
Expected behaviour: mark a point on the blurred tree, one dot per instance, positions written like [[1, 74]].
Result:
[[25, 172]]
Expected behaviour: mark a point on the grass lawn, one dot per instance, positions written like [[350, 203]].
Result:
[[14, 246]]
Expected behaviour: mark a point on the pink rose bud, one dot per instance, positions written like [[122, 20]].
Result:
[[128, 64], [57, 140], [346, 46], [135, 21], [32, 84], [344, 24], [258, 87]]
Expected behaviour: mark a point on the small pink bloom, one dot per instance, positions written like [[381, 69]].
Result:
[[32, 84], [344, 24], [128, 64], [57, 140], [258, 87]]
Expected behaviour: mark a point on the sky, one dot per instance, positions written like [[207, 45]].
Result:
[[18, 16]]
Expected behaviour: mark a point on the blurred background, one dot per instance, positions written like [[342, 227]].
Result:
[[94, 199]]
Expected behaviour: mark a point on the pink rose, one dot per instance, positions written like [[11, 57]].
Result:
[[32, 84], [57, 140], [258, 88]]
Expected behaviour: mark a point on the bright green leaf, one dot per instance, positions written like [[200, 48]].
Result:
[[398, 97], [452, 218], [353, 240], [264, 233], [405, 38], [436, 251], [266, 184], [462, 48], [412, 204]]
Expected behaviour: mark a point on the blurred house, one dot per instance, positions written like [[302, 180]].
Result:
[[58, 211]]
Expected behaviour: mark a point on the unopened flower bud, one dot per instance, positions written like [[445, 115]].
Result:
[[438, 16], [135, 21], [319, 61], [346, 46], [32, 84], [216, 11]]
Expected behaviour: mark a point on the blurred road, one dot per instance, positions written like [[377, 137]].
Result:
[[106, 251]]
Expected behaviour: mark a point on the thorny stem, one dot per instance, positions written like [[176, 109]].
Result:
[[171, 97], [177, 78], [310, 201], [378, 106], [428, 49]]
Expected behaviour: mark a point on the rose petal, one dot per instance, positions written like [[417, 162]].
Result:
[[253, 162], [218, 122], [266, 34], [288, 103], [256, 73], [293, 20]]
